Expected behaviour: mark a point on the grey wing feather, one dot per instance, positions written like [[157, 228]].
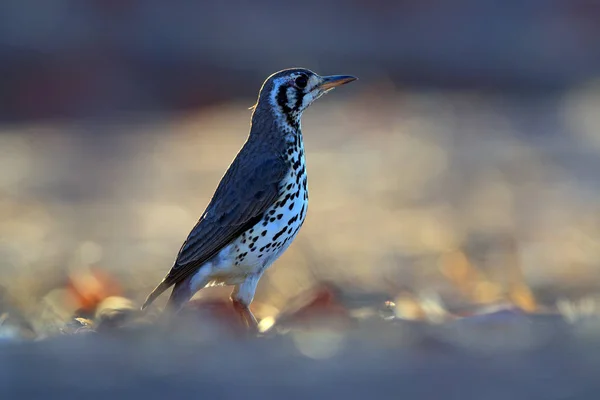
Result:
[[246, 191]]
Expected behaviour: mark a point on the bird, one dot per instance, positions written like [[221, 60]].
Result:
[[260, 203]]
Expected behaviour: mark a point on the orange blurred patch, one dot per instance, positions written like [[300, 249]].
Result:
[[89, 287], [320, 303]]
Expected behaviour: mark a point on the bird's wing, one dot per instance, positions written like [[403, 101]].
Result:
[[246, 191]]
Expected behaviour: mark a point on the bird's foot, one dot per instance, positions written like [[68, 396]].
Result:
[[246, 315]]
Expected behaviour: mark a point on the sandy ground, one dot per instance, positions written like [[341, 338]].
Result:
[[451, 200]]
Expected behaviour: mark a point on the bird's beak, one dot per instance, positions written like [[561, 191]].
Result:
[[330, 82]]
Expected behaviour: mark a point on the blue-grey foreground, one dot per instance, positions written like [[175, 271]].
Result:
[[519, 358]]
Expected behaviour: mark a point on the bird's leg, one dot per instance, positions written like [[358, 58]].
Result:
[[180, 295], [242, 296]]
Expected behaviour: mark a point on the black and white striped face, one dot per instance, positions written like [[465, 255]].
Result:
[[292, 91]]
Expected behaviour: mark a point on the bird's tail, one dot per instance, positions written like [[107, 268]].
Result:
[[180, 295], [155, 293]]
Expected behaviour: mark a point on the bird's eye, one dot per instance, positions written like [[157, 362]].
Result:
[[301, 81]]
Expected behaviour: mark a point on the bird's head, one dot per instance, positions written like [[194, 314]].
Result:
[[286, 94]]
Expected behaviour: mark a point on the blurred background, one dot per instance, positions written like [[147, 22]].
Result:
[[458, 173]]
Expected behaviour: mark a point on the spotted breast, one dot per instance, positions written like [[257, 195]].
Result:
[[256, 249]]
